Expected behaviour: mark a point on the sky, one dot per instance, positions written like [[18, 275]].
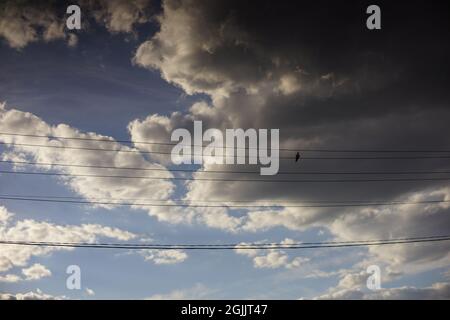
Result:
[[138, 70]]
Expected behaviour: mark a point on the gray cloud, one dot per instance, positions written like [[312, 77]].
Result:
[[118, 15], [21, 23], [349, 96], [326, 86], [25, 22], [353, 287], [31, 295]]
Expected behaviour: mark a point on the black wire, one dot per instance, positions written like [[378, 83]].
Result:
[[225, 156], [203, 145], [218, 206], [226, 247], [198, 200], [221, 171], [229, 180], [240, 244]]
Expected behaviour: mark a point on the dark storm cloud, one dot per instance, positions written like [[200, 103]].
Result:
[[315, 72], [347, 87], [242, 41]]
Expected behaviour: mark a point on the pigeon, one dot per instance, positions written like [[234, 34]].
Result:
[[297, 156]]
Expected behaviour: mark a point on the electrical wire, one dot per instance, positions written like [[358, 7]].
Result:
[[227, 156], [237, 246], [278, 205], [222, 171], [247, 148], [228, 180]]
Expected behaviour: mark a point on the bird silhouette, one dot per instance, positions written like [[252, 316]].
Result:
[[297, 156]]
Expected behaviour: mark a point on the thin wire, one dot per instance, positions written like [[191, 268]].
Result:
[[246, 148], [219, 206], [225, 156], [220, 171], [217, 247], [228, 180], [195, 200], [241, 244]]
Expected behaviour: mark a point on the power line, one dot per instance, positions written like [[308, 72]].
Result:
[[278, 201], [186, 205], [203, 145], [225, 156], [239, 246], [228, 180], [221, 171]]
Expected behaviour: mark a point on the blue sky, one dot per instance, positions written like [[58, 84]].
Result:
[[137, 77], [78, 85], [95, 87]]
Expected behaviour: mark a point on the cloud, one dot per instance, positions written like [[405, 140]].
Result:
[[32, 230], [353, 286], [324, 92], [342, 98], [437, 291], [23, 23], [198, 292], [402, 221], [119, 15], [227, 48], [32, 295], [72, 40], [36, 271], [4, 216], [10, 278], [212, 43], [272, 258], [164, 256], [90, 292], [289, 84], [106, 189]]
